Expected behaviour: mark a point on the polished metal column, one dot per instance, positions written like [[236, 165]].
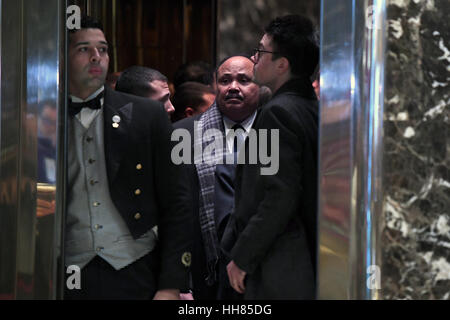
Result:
[[32, 32], [352, 93]]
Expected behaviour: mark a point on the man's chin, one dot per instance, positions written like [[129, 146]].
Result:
[[96, 82], [234, 106]]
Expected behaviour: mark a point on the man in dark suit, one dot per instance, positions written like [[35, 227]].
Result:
[[127, 210], [212, 181], [271, 236]]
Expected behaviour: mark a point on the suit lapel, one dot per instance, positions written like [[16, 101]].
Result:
[[116, 138]]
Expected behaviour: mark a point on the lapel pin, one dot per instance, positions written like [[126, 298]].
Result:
[[116, 121]]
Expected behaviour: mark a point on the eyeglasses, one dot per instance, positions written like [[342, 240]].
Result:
[[257, 53]]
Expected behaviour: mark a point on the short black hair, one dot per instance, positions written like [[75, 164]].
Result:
[[87, 22], [135, 80], [196, 71], [294, 37], [189, 94]]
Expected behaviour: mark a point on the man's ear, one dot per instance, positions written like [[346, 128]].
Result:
[[189, 112], [283, 65]]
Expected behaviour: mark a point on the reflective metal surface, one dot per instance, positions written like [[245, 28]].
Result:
[[10, 119], [352, 83], [30, 96]]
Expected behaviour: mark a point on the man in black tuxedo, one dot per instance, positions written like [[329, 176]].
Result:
[[212, 182], [271, 236], [127, 210]]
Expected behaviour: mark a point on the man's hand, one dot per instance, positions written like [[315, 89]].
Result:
[[167, 294], [236, 276], [186, 296], [45, 208]]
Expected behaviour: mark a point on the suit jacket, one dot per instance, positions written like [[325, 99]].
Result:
[[145, 186], [199, 270], [272, 233]]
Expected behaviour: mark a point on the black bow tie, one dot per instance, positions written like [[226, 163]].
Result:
[[75, 107]]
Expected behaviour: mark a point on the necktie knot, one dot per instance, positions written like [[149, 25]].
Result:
[[237, 126], [94, 104]]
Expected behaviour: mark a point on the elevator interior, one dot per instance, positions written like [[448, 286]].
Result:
[[33, 115]]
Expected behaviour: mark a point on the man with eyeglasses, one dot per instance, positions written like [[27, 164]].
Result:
[[271, 237]]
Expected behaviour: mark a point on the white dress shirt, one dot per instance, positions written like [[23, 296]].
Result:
[[228, 124], [87, 115]]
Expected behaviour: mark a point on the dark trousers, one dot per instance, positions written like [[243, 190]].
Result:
[[100, 281]]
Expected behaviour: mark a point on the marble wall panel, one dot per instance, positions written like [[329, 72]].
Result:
[[416, 232]]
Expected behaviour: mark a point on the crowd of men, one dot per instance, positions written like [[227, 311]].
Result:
[[141, 226]]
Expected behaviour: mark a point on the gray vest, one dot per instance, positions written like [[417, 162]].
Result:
[[93, 224]]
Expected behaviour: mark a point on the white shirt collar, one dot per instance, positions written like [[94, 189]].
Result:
[[246, 124], [86, 115], [228, 124], [92, 96]]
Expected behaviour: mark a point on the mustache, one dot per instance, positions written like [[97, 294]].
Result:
[[234, 96]]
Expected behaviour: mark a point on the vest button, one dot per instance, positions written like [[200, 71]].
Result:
[[137, 216], [96, 204], [93, 182], [137, 192], [139, 167], [91, 161], [89, 139]]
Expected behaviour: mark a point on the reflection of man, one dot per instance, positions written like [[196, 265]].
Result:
[[213, 185], [47, 143], [146, 82], [271, 235], [126, 216]]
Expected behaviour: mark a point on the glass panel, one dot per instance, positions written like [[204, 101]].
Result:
[[42, 94], [30, 54], [10, 126], [352, 66]]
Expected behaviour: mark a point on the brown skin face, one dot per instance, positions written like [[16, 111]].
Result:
[[88, 62], [238, 95]]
